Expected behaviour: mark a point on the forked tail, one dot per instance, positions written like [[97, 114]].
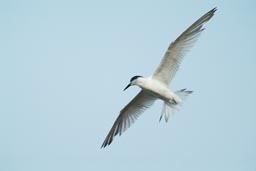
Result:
[[168, 108]]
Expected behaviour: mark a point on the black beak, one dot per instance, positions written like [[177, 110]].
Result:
[[127, 86]]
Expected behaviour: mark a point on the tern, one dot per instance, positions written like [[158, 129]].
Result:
[[156, 86]]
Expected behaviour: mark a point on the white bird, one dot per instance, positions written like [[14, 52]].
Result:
[[156, 86]]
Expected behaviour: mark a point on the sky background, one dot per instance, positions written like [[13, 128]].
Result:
[[64, 64]]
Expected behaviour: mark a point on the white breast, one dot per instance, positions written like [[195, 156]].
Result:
[[157, 88]]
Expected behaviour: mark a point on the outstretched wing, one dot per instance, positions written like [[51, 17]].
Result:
[[177, 49], [128, 115]]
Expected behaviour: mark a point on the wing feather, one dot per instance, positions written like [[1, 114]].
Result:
[[128, 115], [177, 49]]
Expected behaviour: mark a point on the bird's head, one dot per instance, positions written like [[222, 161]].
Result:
[[133, 81]]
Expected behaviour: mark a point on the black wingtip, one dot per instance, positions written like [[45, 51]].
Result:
[[213, 10], [210, 13], [103, 145], [106, 143]]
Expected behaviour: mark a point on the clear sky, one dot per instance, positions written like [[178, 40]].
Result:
[[64, 64]]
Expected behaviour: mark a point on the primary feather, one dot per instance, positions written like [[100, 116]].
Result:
[[177, 49]]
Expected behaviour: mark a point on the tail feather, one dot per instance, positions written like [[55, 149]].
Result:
[[169, 109], [183, 93]]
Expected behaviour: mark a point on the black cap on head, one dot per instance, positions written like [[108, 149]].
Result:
[[135, 77]]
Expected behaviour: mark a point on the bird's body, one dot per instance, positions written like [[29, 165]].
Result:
[[157, 89], [157, 86]]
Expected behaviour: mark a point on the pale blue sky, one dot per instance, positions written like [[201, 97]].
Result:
[[64, 64]]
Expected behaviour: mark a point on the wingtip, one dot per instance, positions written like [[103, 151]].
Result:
[[104, 145], [214, 9]]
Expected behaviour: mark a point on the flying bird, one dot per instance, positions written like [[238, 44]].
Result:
[[156, 86]]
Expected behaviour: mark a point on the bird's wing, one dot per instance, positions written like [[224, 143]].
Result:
[[177, 49], [128, 115]]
